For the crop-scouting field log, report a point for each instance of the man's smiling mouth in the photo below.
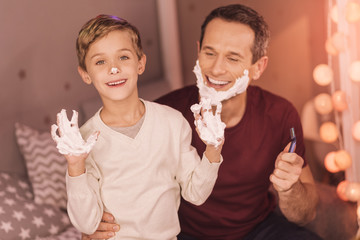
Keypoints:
(217, 82)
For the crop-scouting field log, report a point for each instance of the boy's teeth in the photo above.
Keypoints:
(116, 83)
(213, 81)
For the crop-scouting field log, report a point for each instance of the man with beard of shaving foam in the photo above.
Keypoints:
(233, 45)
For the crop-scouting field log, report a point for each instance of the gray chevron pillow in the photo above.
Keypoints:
(46, 167)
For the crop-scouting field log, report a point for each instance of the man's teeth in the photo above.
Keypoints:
(213, 81)
(116, 83)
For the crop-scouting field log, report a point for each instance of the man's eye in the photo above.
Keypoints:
(100, 62)
(233, 59)
(124, 58)
(209, 54)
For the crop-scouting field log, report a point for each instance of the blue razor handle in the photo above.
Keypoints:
(293, 140)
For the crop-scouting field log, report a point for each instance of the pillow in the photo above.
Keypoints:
(24, 219)
(46, 167)
(15, 185)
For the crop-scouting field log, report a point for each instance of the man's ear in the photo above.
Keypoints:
(198, 47)
(259, 67)
(84, 75)
(142, 64)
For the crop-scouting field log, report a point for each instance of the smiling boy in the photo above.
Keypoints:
(142, 158)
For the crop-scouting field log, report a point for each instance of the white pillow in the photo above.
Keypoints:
(46, 167)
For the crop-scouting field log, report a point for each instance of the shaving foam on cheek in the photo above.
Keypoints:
(70, 141)
(211, 128)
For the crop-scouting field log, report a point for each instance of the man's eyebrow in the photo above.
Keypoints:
(236, 54)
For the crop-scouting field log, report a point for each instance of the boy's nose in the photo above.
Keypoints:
(114, 70)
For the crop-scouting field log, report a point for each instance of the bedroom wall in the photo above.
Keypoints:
(38, 68)
(38, 73)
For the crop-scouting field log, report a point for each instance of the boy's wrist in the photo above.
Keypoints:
(76, 169)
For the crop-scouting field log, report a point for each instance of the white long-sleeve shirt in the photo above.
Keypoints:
(139, 180)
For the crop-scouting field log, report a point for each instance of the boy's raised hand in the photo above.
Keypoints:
(70, 143)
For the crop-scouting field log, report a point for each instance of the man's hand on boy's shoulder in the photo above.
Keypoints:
(106, 229)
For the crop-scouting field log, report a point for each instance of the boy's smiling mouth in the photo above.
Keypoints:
(116, 83)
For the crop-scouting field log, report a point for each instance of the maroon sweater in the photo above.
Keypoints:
(240, 199)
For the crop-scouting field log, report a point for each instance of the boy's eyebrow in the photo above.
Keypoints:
(229, 53)
(119, 50)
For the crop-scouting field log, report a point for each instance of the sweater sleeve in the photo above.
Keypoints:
(196, 177)
(84, 206)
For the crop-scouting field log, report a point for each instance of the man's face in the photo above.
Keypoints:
(225, 53)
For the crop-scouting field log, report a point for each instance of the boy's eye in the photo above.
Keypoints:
(100, 62)
(124, 58)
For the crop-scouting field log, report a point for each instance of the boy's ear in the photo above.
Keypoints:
(84, 75)
(142, 64)
(259, 67)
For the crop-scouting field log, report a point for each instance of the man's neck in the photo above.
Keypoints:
(233, 110)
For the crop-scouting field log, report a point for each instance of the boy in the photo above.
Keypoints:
(142, 158)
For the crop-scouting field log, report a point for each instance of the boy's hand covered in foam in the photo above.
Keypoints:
(209, 125)
(69, 141)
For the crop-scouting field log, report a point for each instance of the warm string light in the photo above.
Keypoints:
(339, 102)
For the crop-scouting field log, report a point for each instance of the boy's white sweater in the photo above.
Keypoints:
(139, 180)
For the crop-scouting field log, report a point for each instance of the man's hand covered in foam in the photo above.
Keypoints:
(209, 125)
(69, 141)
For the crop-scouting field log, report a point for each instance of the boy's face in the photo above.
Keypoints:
(113, 66)
(225, 53)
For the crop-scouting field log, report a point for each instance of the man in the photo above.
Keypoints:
(233, 43)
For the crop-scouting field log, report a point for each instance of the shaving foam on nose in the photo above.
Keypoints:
(114, 70)
(211, 128)
(69, 141)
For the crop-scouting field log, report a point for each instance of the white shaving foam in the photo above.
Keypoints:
(70, 141)
(211, 128)
(114, 70)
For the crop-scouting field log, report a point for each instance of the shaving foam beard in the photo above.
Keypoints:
(217, 97)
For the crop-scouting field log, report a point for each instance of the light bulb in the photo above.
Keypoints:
(352, 191)
(329, 162)
(334, 15)
(352, 12)
(342, 159)
(354, 71)
(339, 101)
(356, 131)
(323, 74)
(338, 40)
(328, 132)
(323, 103)
(341, 188)
(330, 49)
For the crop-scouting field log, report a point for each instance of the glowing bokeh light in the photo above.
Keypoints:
(352, 12)
(329, 162)
(339, 101)
(356, 131)
(328, 132)
(323, 103)
(341, 188)
(338, 40)
(323, 74)
(342, 159)
(330, 49)
(352, 191)
(334, 15)
(354, 71)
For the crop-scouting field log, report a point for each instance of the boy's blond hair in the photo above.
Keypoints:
(99, 27)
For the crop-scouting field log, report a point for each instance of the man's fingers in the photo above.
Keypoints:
(108, 217)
